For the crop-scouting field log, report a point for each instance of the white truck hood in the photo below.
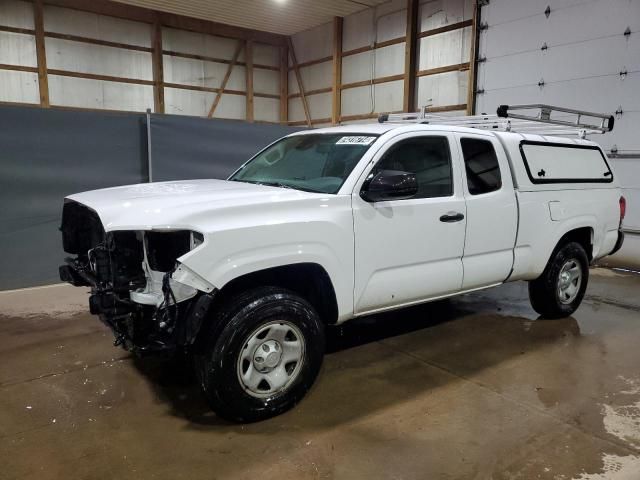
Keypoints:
(177, 205)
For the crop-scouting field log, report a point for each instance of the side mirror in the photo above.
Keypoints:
(389, 185)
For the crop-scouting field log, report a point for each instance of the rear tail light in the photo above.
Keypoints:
(623, 208)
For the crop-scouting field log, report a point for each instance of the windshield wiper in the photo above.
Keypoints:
(278, 184)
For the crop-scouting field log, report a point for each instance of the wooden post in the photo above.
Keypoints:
(158, 68)
(225, 80)
(337, 70)
(473, 59)
(284, 84)
(43, 81)
(248, 53)
(305, 105)
(410, 48)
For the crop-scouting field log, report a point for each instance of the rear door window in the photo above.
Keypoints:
(564, 163)
(481, 165)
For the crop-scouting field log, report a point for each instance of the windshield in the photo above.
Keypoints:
(312, 162)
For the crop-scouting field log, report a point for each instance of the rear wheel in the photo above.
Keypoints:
(264, 356)
(560, 289)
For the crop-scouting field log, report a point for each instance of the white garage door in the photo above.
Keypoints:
(576, 56)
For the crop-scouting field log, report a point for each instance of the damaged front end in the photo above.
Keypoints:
(132, 275)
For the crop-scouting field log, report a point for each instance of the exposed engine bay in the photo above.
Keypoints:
(130, 275)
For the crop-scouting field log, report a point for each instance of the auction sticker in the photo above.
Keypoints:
(356, 140)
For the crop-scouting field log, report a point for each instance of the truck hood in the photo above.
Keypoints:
(179, 205)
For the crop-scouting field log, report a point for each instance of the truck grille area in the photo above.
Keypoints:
(113, 265)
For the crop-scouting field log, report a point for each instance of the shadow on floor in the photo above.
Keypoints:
(469, 334)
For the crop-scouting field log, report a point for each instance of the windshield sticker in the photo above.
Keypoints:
(355, 140)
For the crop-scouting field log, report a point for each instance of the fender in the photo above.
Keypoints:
(531, 260)
(243, 262)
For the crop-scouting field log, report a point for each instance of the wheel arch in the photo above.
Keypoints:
(309, 280)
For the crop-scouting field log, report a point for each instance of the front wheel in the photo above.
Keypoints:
(266, 356)
(558, 292)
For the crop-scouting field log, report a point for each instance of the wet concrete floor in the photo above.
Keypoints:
(470, 388)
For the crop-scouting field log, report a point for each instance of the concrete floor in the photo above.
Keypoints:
(474, 387)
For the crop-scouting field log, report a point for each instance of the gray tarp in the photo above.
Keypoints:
(48, 154)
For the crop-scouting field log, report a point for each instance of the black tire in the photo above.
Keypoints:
(544, 292)
(237, 320)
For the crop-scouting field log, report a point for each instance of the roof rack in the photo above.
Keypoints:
(565, 121)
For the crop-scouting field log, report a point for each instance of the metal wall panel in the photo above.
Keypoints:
(439, 13)
(99, 94)
(101, 27)
(313, 44)
(293, 83)
(442, 89)
(200, 73)
(199, 44)
(380, 62)
(266, 54)
(18, 49)
(187, 102)
(15, 13)
(97, 59)
(449, 48)
(316, 76)
(232, 106)
(296, 111)
(319, 107)
(266, 81)
(386, 22)
(387, 97)
(19, 87)
(266, 109)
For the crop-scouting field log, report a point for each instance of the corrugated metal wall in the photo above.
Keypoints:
(576, 56)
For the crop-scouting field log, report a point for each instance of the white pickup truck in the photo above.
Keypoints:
(330, 224)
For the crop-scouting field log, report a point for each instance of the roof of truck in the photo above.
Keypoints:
(381, 128)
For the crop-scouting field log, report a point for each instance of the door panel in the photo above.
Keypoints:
(404, 252)
(492, 219)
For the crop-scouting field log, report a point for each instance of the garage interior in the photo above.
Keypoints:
(101, 93)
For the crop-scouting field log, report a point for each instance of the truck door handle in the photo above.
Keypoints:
(451, 217)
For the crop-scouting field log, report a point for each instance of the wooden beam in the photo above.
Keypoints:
(158, 68)
(304, 122)
(94, 76)
(366, 48)
(447, 108)
(317, 91)
(140, 14)
(225, 80)
(309, 63)
(408, 103)
(296, 69)
(248, 54)
(94, 41)
(26, 31)
(446, 28)
(284, 84)
(337, 70)
(458, 67)
(43, 81)
(375, 81)
(473, 59)
(197, 88)
(18, 68)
